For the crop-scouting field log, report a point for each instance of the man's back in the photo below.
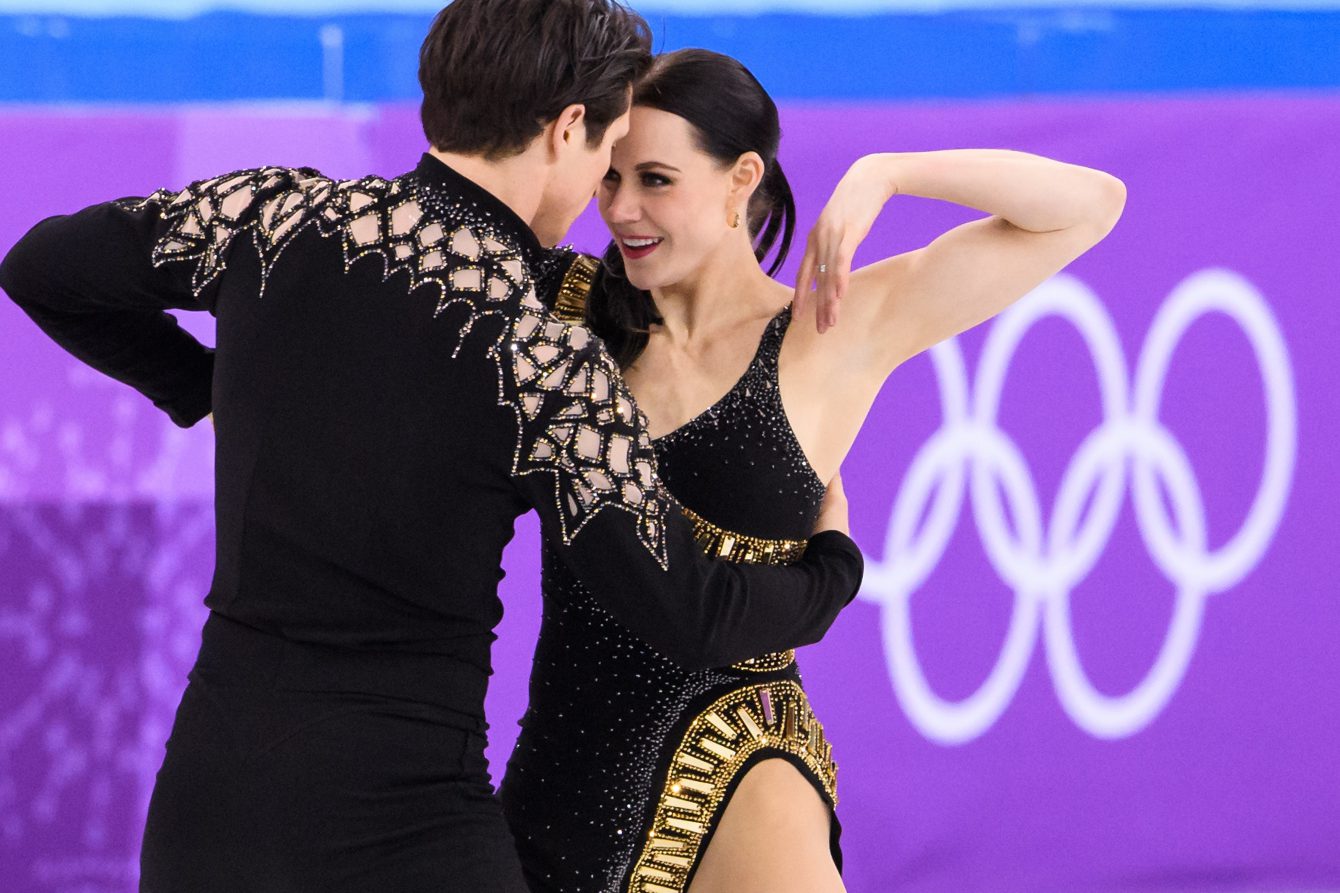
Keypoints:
(364, 456)
(390, 392)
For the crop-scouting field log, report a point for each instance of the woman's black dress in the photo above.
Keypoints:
(625, 760)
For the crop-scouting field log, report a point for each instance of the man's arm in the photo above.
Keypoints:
(100, 281)
(586, 463)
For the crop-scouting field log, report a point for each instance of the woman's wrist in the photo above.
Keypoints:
(877, 173)
(885, 171)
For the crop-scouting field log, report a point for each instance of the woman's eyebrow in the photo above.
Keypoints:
(650, 164)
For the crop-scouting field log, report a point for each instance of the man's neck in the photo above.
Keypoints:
(517, 181)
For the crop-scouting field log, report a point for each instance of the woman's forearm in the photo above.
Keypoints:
(1031, 192)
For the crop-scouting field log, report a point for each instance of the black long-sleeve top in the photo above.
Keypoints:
(390, 393)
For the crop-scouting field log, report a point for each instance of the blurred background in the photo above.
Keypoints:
(1098, 647)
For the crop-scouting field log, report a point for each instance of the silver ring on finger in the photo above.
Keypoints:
(823, 268)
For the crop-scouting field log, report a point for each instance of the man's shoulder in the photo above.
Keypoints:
(403, 224)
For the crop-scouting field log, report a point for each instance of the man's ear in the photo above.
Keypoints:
(567, 130)
(746, 177)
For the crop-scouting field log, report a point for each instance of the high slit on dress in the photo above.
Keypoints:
(626, 761)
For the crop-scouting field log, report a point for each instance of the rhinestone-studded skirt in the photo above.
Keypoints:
(626, 761)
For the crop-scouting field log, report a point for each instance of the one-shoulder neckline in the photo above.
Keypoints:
(753, 362)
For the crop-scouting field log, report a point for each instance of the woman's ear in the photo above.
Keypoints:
(745, 178)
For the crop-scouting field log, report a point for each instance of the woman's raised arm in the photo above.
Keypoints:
(1043, 215)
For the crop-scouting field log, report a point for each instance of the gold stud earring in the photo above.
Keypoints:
(735, 221)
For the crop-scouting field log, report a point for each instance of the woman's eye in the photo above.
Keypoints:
(654, 180)
(610, 177)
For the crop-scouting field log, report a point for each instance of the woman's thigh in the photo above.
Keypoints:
(774, 837)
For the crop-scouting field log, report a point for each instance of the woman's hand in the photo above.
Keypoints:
(846, 220)
(833, 514)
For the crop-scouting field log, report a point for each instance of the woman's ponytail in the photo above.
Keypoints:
(777, 217)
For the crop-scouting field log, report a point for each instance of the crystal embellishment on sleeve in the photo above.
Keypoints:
(203, 219)
(578, 421)
(575, 418)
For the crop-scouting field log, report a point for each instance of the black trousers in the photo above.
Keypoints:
(265, 789)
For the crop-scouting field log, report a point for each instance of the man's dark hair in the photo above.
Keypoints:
(495, 72)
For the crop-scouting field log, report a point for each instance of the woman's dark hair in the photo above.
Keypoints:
(731, 114)
(495, 72)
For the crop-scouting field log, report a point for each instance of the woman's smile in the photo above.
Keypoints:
(638, 247)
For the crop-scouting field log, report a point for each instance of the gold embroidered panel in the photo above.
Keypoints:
(570, 305)
(719, 542)
(718, 744)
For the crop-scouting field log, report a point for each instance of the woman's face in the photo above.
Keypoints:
(666, 201)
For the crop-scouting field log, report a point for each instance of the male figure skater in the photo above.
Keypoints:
(390, 394)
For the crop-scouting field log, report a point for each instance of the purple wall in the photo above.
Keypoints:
(1129, 691)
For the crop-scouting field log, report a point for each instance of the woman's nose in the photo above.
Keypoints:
(621, 207)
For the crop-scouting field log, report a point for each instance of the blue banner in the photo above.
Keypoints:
(966, 54)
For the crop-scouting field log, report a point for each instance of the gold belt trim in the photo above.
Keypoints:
(719, 542)
(719, 741)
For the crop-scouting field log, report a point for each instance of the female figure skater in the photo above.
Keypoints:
(630, 773)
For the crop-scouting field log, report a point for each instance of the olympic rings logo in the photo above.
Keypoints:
(1043, 562)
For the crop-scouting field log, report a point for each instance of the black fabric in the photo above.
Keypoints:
(738, 462)
(270, 788)
(377, 434)
(365, 481)
(607, 711)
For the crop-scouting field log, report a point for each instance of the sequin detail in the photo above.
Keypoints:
(718, 542)
(746, 440)
(607, 713)
(582, 426)
(576, 420)
(204, 218)
(720, 741)
(570, 304)
(767, 663)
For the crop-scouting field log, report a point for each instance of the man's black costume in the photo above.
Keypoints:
(390, 394)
